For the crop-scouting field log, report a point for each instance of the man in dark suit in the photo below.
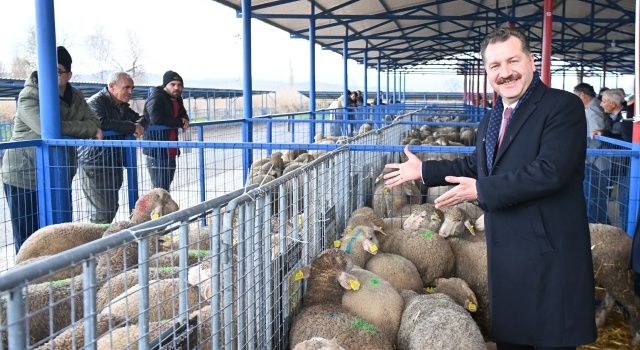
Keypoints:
(526, 173)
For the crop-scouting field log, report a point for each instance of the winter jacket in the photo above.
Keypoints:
(119, 118)
(159, 111)
(76, 120)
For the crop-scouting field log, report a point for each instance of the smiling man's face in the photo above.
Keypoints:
(509, 69)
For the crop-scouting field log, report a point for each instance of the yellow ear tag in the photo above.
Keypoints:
(300, 219)
(298, 275)
(386, 190)
(337, 243)
(354, 284)
(155, 215)
(348, 230)
(373, 248)
(430, 290)
(471, 306)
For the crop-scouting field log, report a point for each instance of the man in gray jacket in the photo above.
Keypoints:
(18, 164)
(596, 168)
(102, 167)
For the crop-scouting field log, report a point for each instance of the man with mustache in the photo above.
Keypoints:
(526, 173)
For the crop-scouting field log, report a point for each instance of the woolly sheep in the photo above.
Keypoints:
(57, 238)
(155, 203)
(172, 258)
(388, 202)
(376, 301)
(435, 321)
(458, 290)
(123, 281)
(426, 216)
(328, 276)
(397, 270)
(332, 321)
(360, 243)
(431, 254)
(126, 338)
(199, 239)
(365, 216)
(611, 249)
(73, 336)
(318, 343)
(50, 306)
(162, 294)
(471, 266)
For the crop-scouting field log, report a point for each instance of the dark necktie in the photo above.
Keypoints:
(505, 121)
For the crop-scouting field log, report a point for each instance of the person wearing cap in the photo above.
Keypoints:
(101, 168)
(164, 107)
(18, 164)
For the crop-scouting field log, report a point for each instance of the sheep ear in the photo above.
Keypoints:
(369, 246)
(470, 227)
(348, 281)
(301, 273)
(156, 212)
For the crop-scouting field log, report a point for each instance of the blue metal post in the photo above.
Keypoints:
(201, 173)
(345, 81)
(54, 193)
(388, 99)
(312, 72)
(634, 190)
(365, 92)
(247, 129)
(131, 166)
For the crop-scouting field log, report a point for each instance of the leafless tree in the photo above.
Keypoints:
(20, 68)
(134, 65)
(100, 48)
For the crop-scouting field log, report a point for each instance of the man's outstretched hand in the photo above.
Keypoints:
(407, 171)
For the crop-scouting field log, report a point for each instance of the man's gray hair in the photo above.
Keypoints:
(115, 77)
(614, 95)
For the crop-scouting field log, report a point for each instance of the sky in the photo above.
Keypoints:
(202, 41)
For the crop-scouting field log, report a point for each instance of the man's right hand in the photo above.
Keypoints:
(407, 171)
(99, 135)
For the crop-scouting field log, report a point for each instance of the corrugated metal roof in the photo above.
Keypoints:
(411, 34)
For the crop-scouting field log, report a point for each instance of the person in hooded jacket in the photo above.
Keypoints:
(18, 164)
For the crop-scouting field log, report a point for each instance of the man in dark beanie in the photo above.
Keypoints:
(18, 167)
(164, 107)
(64, 58)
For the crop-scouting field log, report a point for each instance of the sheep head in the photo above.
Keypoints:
(328, 277)
(152, 205)
(459, 291)
(455, 222)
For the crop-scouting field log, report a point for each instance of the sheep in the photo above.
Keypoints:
(376, 301)
(431, 254)
(305, 158)
(153, 204)
(172, 258)
(611, 249)
(322, 314)
(365, 216)
(458, 290)
(57, 238)
(50, 307)
(126, 338)
(426, 216)
(162, 294)
(435, 321)
(388, 202)
(121, 282)
(360, 243)
(73, 336)
(397, 270)
(199, 239)
(471, 265)
(318, 343)
(365, 128)
(333, 321)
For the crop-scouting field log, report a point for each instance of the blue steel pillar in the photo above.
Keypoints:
(365, 92)
(345, 82)
(54, 186)
(247, 130)
(312, 72)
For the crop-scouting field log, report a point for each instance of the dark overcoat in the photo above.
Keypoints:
(541, 284)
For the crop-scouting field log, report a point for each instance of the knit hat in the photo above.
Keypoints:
(64, 58)
(170, 76)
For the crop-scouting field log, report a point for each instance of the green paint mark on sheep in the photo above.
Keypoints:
(199, 253)
(351, 241)
(375, 281)
(61, 283)
(426, 234)
(104, 226)
(364, 325)
(166, 269)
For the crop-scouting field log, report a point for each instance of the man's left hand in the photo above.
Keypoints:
(465, 191)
